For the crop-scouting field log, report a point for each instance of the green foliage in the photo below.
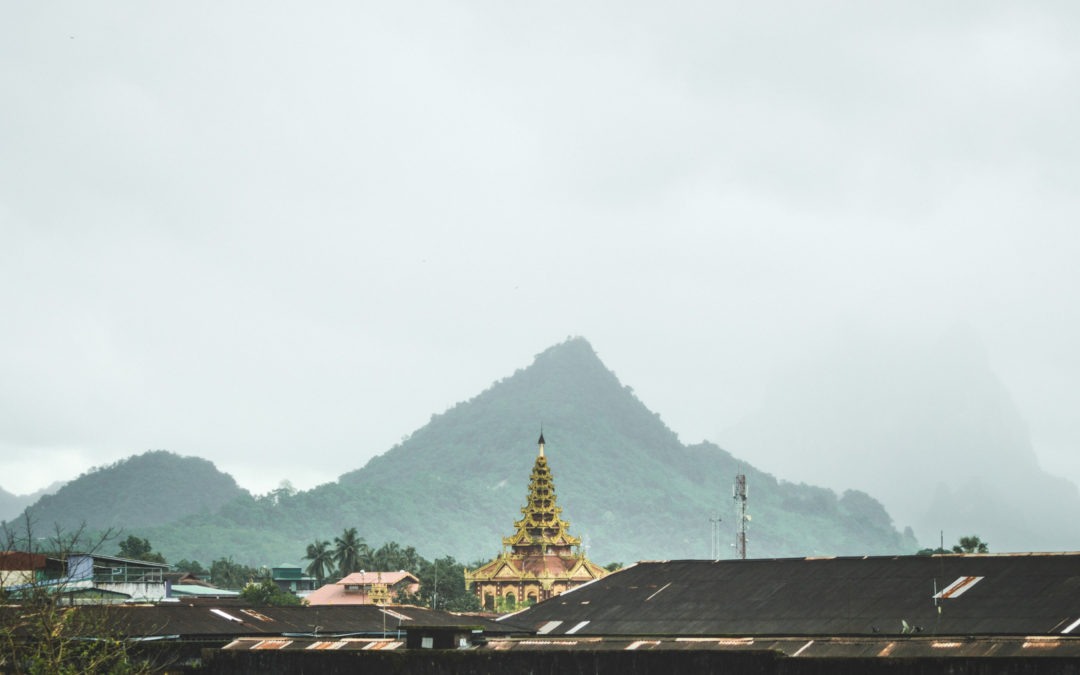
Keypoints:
(266, 592)
(137, 548)
(391, 556)
(191, 567)
(349, 551)
(226, 573)
(971, 544)
(322, 560)
(442, 585)
(613, 567)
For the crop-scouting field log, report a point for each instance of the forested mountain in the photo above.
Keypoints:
(154, 488)
(625, 482)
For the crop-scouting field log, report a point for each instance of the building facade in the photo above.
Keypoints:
(366, 588)
(541, 559)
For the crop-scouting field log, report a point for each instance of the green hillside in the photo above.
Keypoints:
(625, 481)
(154, 488)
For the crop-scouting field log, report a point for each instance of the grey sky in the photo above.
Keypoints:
(280, 236)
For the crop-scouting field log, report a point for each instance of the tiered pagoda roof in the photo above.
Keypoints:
(541, 528)
(541, 550)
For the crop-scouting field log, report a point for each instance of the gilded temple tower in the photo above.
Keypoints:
(541, 559)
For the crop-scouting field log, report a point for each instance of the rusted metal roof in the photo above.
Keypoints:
(347, 644)
(944, 595)
(230, 621)
(906, 647)
(20, 561)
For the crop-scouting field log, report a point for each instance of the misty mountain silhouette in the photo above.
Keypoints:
(626, 483)
(928, 429)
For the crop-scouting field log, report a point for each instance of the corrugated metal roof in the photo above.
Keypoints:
(906, 647)
(200, 590)
(348, 644)
(803, 648)
(990, 595)
(227, 621)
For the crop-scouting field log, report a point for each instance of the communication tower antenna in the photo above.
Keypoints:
(740, 494)
(715, 521)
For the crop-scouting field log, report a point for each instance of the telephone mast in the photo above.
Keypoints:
(740, 494)
(715, 522)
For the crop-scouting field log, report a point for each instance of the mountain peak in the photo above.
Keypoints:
(632, 488)
(155, 487)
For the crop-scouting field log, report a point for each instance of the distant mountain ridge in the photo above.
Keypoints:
(928, 428)
(626, 483)
(11, 505)
(153, 488)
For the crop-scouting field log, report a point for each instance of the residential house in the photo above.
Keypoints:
(366, 588)
(80, 578)
(293, 580)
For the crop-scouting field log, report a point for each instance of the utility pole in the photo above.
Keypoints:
(435, 593)
(715, 522)
(740, 496)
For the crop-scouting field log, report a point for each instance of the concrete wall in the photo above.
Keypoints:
(520, 662)
(137, 591)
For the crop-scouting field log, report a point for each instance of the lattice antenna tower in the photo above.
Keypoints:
(740, 495)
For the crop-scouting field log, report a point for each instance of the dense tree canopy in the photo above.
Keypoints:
(971, 544)
(266, 592)
(137, 548)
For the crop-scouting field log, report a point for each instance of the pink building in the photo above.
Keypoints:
(366, 588)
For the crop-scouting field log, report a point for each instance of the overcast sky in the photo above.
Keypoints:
(281, 235)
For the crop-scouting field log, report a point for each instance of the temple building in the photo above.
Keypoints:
(541, 559)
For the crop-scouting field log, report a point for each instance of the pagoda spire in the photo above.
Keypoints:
(541, 527)
(541, 559)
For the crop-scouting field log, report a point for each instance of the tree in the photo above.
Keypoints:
(442, 586)
(191, 567)
(226, 573)
(322, 560)
(349, 549)
(136, 548)
(266, 592)
(971, 544)
(613, 567)
(391, 557)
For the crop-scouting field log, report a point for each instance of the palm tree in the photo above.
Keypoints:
(349, 548)
(390, 556)
(322, 560)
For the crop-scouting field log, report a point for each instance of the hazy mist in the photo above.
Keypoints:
(281, 235)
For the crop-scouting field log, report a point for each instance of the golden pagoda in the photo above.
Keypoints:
(541, 559)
